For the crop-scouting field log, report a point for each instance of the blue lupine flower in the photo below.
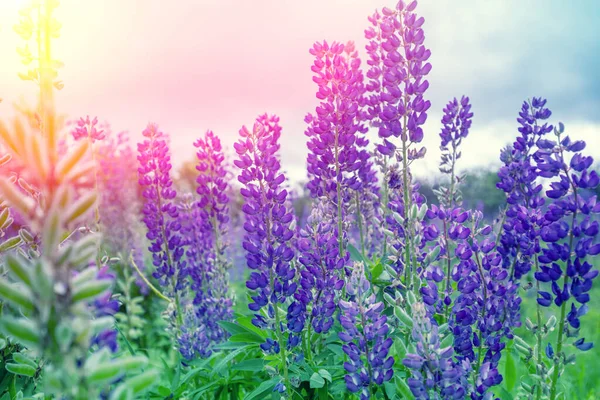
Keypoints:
(435, 375)
(268, 222)
(160, 212)
(365, 332)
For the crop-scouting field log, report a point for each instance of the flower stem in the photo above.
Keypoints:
(147, 282)
(282, 350)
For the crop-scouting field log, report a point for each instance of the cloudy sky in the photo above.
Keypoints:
(192, 65)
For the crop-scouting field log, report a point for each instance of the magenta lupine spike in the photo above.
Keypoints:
(87, 128)
(334, 157)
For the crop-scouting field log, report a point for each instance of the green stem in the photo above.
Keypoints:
(147, 282)
(386, 209)
(538, 335)
(483, 310)
(563, 308)
(282, 350)
(360, 226)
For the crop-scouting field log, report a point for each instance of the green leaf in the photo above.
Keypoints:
(510, 371)
(403, 388)
(246, 337)
(232, 327)
(376, 271)
(262, 390)
(80, 207)
(20, 369)
(326, 375)
(10, 243)
(90, 290)
(21, 329)
(19, 297)
(143, 381)
(104, 372)
(221, 364)
(23, 359)
(18, 267)
(316, 381)
(355, 255)
(252, 365)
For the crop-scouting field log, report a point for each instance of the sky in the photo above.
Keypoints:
(193, 65)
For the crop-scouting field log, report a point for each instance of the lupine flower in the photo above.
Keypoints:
(160, 212)
(571, 235)
(434, 373)
(322, 275)
(485, 311)
(395, 105)
(105, 306)
(365, 332)
(203, 226)
(209, 303)
(86, 128)
(519, 242)
(398, 61)
(334, 157)
(448, 216)
(268, 225)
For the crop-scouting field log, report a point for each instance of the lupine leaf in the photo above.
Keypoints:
(20, 369)
(16, 296)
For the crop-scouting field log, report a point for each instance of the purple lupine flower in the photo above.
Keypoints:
(434, 373)
(323, 269)
(106, 305)
(456, 124)
(365, 332)
(334, 157)
(160, 212)
(398, 61)
(448, 216)
(519, 241)
(86, 128)
(209, 303)
(268, 225)
(395, 105)
(487, 307)
(203, 226)
(570, 233)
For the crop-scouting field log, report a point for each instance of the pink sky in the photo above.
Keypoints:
(192, 65)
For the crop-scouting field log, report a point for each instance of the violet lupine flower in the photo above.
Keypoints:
(160, 212)
(449, 216)
(268, 226)
(322, 275)
(398, 61)
(519, 242)
(571, 229)
(104, 306)
(203, 228)
(86, 128)
(364, 332)
(456, 124)
(209, 303)
(434, 373)
(485, 311)
(452, 234)
(334, 157)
